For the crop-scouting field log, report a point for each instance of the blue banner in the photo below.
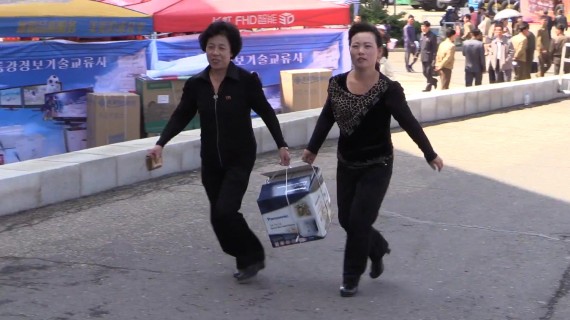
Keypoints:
(64, 65)
(43, 88)
(267, 53)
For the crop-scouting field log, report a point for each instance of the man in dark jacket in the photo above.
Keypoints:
(561, 19)
(474, 58)
(428, 50)
(409, 43)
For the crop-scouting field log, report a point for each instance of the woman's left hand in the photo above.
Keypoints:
(436, 164)
(284, 156)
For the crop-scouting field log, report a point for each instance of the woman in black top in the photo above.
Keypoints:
(362, 102)
(224, 95)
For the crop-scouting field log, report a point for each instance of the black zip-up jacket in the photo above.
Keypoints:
(225, 119)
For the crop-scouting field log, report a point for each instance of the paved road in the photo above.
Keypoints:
(487, 238)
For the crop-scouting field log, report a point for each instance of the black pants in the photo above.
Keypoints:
(427, 70)
(359, 195)
(225, 188)
(470, 76)
(410, 52)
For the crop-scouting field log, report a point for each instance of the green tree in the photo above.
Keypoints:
(375, 12)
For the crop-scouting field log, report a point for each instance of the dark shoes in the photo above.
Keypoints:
(245, 274)
(429, 86)
(377, 266)
(409, 68)
(349, 287)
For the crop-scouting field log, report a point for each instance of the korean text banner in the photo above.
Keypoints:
(104, 66)
(267, 53)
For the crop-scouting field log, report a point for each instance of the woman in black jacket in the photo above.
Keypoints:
(362, 102)
(224, 95)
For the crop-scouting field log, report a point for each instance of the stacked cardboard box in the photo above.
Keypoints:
(304, 89)
(112, 118)
(159, 98)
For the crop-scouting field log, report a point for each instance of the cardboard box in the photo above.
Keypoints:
(112, 118)
(304, 88)
(159, 99)
(295, 205)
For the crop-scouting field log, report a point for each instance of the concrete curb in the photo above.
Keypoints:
(36, 183)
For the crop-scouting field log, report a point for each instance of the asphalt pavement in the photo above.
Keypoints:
(486, 238)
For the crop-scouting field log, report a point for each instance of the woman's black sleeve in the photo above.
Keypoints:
(185, 111)
(324, 124)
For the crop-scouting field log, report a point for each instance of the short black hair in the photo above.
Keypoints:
(410, 17)
(223, 28)
(468, 16)
(476, 32)
(560, 27)
(449, 33)
(523, 26)
(364, 27)
(426, 23)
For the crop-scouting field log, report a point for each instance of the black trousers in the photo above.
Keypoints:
(470, 76)
(360, 193)
(225, 188)
(427, 70)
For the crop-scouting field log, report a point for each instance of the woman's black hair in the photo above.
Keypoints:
(223, 28)
(364, 27)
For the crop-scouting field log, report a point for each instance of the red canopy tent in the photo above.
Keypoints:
(196, 15)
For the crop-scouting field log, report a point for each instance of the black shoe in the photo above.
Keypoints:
(435, 83)
(249, 272)
(349, 288)
(377, 267)
(427, 89)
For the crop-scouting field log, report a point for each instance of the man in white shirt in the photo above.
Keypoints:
(500, 57)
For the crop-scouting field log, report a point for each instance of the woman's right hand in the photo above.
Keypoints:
(155, 152)
(308, 156)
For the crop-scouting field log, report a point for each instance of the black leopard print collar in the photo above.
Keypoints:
(349, 109)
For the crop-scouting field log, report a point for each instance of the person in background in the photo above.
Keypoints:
(500, 57)
(385, 66)
(561, 19)
(467, 27)
(445, 58)
(485, 26)
(519, 44)
(224, 95)
(410, 43)
(474, 16)
(530, 48)
(480, 15)
(362, 103)
(516, 25)
(506, 29)
(428, 50)
(543, 48)
(449, 17)
(557, 45)
(474, 59)
(549, 23)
